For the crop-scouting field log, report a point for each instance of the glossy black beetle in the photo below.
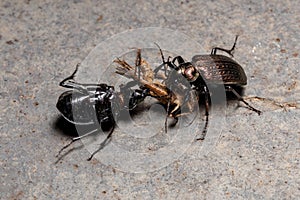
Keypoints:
(93, 104)
(215, 69)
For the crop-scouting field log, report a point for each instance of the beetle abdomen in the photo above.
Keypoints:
(75, 108)
(219, 69)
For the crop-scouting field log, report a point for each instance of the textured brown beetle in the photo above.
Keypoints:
(208, 69)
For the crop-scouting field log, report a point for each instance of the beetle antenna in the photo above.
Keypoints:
(164, 62)
(161, 53)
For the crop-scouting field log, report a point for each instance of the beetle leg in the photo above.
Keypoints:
(230, 89)
(102, 144)
(75, 139)
(207, 96)
(229, 51)
(82, 87)
(67, 82)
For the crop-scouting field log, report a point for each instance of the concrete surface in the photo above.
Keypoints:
(255, 157)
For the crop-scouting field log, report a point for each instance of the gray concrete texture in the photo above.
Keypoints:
(255, 157)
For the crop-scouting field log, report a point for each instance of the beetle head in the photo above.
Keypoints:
(189, 71)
